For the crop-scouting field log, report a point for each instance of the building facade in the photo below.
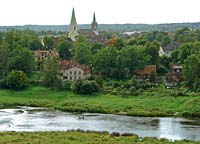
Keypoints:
(41, 55)
(176, 72)
(72, 70)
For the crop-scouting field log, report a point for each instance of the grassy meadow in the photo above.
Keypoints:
(79, 137)
(157, 102)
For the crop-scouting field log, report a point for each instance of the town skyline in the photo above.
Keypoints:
(36, 12)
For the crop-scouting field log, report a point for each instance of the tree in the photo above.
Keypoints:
(165, 41)
(4, 55)
(64, 49)
(21, 59)
(191, 71)
(96, 47)
(133, 58)
(105, 61)
(85, 87)
(152, 50)
(17, 80)
(51, 77)
(152, 78)
(83, 54)
(48, 42)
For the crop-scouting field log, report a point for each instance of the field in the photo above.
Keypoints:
(158, 102)
(79, 137)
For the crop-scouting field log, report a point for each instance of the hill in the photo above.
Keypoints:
(108, 27)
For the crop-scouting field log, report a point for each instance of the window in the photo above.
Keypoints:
(74, 72)
(79, 72)
(70, 78)
(70, 72)
(74, 27)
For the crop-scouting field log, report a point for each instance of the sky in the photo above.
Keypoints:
(58, 12)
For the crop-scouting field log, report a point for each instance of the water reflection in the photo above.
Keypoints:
(26, 119)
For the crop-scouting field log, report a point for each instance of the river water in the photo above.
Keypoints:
(29, 119)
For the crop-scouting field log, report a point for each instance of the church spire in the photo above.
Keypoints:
(73, 28)
(73, 18)
(94, 25)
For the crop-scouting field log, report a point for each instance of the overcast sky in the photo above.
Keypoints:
(58, 12)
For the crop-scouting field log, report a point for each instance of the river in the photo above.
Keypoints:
(30, 120)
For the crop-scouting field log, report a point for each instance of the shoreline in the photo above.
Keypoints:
(80, 136)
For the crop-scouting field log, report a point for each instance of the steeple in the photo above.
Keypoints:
(94, 25)
(73, 18)
(73, 32)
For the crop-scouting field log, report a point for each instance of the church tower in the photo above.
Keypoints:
(95, 25)
(73, 28)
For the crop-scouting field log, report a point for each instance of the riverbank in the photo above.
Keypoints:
(77, 137)
(155, 103)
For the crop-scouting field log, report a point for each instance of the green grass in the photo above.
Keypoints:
(152, 103)
(79, 137)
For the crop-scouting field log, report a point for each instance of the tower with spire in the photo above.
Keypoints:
(73, 28)
(94, 25)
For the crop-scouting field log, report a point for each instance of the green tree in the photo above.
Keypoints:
(105, 61)
(165, 41)
(21, 59)
(48, 42)
(152, 78)
(83, 54)
(86, 87)
(17, 80)
(64, 49)
(152, 50)
(51, 75)
(191, 71)
(4, 55)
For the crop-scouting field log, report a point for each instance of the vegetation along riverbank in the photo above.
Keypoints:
(77, 137)
(157, 102)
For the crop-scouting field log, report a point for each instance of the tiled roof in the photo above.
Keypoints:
(147, 70)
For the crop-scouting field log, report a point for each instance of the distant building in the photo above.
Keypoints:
(176, 73)
(72, 70)
(168, 49)
(145, 73)
(41, 55)
(92, 35)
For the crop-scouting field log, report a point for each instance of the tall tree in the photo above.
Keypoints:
(191, 71)
(83, 54)
(152, 50)
(65, 48)
(21, 59)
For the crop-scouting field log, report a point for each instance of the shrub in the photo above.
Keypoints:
(99, 81)
(16, 80)
(85, 87)
(116, 84)
(67, 86)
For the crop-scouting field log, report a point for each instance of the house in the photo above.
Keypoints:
(92, 35)
(168, 49)
(145, 73)
(72, 70)
(41, 55)
(176, 72)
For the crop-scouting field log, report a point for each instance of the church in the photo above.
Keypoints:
(92, 35)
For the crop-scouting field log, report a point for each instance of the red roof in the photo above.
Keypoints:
(147, 70)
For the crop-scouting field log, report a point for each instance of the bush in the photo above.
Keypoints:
(85, 87)
(17, 80)
(116, 84)
(3, 84)
(67, 86)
